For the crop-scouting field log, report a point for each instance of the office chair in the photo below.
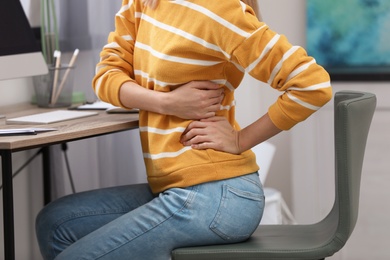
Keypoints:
(353, 112)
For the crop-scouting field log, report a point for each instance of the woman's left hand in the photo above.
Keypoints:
(212, 133)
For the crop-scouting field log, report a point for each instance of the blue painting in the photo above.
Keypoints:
(350, 35)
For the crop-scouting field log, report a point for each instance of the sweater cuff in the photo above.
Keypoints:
(279, 118)
(114, 98)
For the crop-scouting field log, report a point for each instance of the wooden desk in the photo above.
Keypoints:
(70, 130)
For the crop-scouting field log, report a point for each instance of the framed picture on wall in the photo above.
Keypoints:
(350, 38)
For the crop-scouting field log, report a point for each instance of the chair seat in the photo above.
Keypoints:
(271, 242)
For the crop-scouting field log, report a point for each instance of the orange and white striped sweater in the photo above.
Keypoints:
(217, 40)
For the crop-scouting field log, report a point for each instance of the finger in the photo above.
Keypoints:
(190, 126)
(190, 134)
(190, 140)
(199, 139)
(212, 119)
(216, 100)
(210, 97)
(209, 114)
(214, 108)
(206, 85)
(204, 146)
(196, 124)
(216, 93)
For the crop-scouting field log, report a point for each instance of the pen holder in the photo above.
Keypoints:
(55, 88)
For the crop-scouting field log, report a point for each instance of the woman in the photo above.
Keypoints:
(179, 62)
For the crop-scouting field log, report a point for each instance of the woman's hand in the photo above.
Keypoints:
(194, 100)
(212, 133)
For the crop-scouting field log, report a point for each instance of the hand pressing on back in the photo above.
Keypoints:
(212, 133)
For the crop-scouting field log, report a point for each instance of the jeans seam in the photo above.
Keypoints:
(80, 215)
(251, 181)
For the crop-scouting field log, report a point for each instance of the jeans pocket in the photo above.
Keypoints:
(239, 214)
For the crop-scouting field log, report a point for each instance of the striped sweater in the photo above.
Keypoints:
(217, 40)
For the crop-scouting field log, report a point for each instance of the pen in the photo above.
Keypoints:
(8, 132)
(57, 58)
(71, 63)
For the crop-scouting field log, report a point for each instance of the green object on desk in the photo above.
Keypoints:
(78, 97)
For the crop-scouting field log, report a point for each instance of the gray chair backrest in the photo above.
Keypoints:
(353, 116)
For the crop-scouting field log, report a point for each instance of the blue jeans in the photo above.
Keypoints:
(129, 222)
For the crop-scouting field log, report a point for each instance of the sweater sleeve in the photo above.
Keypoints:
(116, 58)
(270, 58)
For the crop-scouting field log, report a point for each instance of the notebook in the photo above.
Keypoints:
(50, 117)
(101, 105)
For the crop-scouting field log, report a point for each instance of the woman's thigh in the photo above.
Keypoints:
(212, 213)
(66, 220)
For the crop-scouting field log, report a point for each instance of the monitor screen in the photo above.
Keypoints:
(20, 55)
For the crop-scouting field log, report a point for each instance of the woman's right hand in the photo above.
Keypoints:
(195, 100)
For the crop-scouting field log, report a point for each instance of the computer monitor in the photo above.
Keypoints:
(20, 55)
